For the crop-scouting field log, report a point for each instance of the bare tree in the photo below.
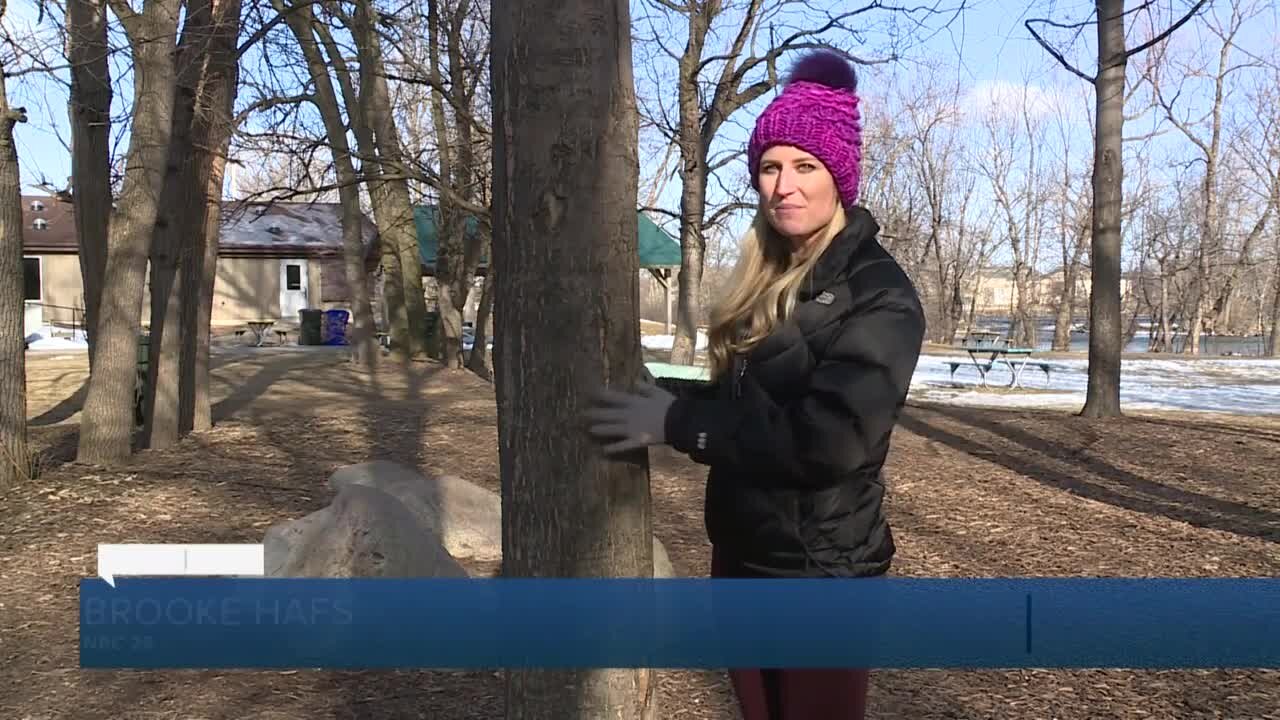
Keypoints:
(565, 251)
(1074, 223)
(15, 456)
(1102, 398)
(1210, 146)
(107, 422)
(189, 219)
(302, 22)
(89, 112)
(934, 152)
(393, 205)
(1013, 165)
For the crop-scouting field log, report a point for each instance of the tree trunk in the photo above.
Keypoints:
(195, 406)
(302, 23)
(567, 320)
(478, 360)
(693, 194)
(450, 225)
(90, 119)
(693, 248)
(1274, 345)
(392, 206)
(107, 418)
(181, 205)
(210, 134)
(1166, 333)
(1102, 399)
(15, 455)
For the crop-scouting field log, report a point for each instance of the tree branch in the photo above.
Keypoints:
(1053, 51)
(1168, 31)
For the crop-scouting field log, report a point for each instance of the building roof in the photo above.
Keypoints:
(283, 229)
(260, 229)
(657, 248)
(48, 225)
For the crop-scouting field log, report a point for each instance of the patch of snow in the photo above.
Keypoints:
(1242, 387)
(51, 338)
(665, 342)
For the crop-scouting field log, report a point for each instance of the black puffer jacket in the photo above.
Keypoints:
(796, 437)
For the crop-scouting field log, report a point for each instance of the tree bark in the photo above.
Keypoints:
(211, 139)
(181, 205)
(392, 206)
(1102, 398)
(693, 196)
(478, 360)
(89, 111)
(567, 320)
(15, 455)
(450, 271)
(107, 418)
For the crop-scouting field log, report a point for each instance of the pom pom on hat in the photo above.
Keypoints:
(825, 67)
(817, 111)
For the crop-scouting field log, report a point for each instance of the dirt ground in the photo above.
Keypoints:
(972, 493)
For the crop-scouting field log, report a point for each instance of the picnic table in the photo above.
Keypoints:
(259, 329)
(985, 349)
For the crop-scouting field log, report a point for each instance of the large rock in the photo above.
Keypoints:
(363, 533)
(465, 517)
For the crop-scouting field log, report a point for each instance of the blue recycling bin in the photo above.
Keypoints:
(334, 330)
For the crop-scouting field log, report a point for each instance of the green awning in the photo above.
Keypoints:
(657, 248)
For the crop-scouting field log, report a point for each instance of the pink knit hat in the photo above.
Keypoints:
(817, 112)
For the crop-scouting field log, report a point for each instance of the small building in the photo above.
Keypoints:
(659, 252)
(273, 260)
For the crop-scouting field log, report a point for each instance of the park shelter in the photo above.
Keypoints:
(659, 252)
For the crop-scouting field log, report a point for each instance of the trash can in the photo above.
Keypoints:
(309, 327)
(433, 334)
(335, 327)
(140, 380)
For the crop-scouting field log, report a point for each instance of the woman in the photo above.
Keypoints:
(812, 353)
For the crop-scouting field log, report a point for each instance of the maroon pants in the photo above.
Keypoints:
(809, 694)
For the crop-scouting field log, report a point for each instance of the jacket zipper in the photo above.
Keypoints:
(737, 381)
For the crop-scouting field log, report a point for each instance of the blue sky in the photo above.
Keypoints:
(986, 47)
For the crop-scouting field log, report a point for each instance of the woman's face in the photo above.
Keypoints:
(797, 192)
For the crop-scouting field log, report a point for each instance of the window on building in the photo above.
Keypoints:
(293, 277)
(40, 224)
(31, 278)
(37, 206)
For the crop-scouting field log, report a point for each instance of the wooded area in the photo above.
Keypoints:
(1129, 187)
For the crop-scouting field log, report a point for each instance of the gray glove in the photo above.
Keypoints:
(631, 420)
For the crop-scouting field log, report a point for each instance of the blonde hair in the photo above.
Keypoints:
(762, 288)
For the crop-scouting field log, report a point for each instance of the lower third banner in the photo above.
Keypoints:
(156, 623)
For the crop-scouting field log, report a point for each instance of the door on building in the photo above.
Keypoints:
(293, 288)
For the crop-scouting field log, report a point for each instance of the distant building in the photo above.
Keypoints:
(273, 260)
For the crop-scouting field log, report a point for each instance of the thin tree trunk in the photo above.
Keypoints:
(393, 207)
(181, 205)
(478, 359)
(693, 248)
(107, 419)
(1274, 344)
(210, 140)
(15, 455)
(564, 201)
(450, 222)
(1102, 398)
(304, 27)
(89, 112)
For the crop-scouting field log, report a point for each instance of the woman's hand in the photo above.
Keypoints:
(631, 420)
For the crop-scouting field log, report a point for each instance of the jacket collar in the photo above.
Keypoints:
(836, 262)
